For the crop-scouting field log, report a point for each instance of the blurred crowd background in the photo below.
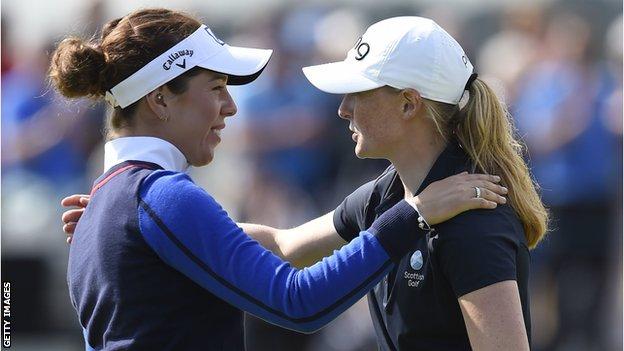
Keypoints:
(287, 157)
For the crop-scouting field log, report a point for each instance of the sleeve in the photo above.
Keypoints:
(478, 251)
(190, 231)
(352, 211)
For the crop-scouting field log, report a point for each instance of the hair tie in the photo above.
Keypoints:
(470, 80)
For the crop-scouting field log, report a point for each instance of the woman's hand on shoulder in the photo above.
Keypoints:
(446, 198)
(70, 217)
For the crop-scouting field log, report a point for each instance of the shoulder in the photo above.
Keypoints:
(373, 191)
(479, 248)
(476, 225)
(163, 180)
(173, 190)
(353, 214)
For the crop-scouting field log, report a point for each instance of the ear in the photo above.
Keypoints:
(156, 101)
(411, 103)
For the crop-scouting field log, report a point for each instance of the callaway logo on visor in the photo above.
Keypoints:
(176, 55)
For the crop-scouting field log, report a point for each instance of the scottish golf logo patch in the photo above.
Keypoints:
(416, 261)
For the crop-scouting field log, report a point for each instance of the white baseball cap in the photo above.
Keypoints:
(402, 52)
(202, 48)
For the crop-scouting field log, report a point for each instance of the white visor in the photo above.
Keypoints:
(203, 49)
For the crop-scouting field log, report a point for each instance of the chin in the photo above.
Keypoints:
(208, 159)
(362, 148)
(360, 152)
(204, 160)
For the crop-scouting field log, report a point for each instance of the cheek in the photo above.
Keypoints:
(212, 112)
(371, 126)
(192, 127)
(200, 118)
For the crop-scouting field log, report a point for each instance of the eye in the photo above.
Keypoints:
(219, 87)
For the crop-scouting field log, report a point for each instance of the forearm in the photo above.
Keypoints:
(301, 246)
(303, 250)
(266, 236)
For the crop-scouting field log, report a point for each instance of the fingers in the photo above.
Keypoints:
(75, 200)
(478, 177)
(492, 196)
(69, 228)
(483, 184)
(72, 215)
(477, 203)
(488, 185)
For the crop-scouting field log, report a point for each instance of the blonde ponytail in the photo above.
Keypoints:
(485, 131)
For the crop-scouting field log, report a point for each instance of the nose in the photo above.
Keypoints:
(229, 107)
(345, 110)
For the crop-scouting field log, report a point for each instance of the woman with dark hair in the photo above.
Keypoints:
(154, 257)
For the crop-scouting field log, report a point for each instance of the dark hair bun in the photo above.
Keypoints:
(76, 68)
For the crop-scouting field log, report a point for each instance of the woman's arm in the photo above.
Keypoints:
(190, 232)
(308, 243)
(493, 317)
(301, 246)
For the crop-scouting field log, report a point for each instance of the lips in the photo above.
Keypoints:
(217, 129)
(355, 134)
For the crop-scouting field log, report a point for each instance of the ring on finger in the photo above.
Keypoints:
(477, 192)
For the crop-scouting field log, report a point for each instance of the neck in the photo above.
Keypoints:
(135, 130)
(143, 123)
(414, 162)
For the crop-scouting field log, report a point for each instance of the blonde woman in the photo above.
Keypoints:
(464, 285)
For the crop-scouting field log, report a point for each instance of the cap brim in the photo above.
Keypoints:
(339, 78)
(241, 65)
